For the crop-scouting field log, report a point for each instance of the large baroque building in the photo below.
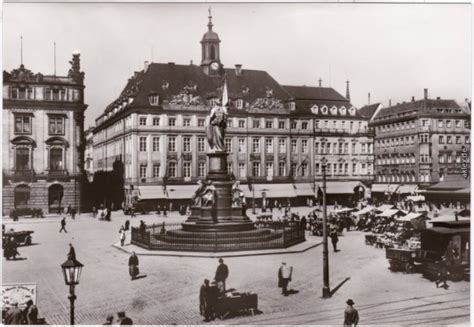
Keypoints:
(43, 143)
(419, 143)
(276, 135)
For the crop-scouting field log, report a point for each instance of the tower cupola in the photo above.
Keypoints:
(210, 61)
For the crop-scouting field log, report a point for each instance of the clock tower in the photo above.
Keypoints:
(210, 61)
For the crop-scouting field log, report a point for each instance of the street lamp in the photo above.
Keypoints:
(72, 272)
(326, 290)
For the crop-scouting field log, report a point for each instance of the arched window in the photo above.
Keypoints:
(22, 196)
(23, 150)
(213, 52)
(56, 153)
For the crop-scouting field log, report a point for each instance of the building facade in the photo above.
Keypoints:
(156, 127)
(419, 143)
(43, 141)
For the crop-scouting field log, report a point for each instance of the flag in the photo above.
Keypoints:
(225, 95)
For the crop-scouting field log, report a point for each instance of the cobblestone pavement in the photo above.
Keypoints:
(168, 294)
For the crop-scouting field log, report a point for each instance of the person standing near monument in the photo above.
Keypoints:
(133, 266)
(284, 277)
(222, 273)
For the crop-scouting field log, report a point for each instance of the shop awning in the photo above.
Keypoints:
(384, 188)
(150, 192)
(389, 213)
(409, 217)
(407, 189)
(343, 210)
(384, 207)
(416, 198)
(342, 187)
(304, 189)
(364, 211)
(273, 191)
(181, 191)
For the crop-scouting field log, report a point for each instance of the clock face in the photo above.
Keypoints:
(215, 65)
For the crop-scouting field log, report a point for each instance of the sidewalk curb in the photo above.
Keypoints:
(236, 254)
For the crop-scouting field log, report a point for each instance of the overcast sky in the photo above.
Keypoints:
(392, 51)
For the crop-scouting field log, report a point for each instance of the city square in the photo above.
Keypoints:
(180, 168)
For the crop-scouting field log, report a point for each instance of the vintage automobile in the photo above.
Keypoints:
(21, 238)
(401, 259)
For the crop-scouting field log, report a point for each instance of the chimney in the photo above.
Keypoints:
(389, 102)
(438, 98)
(348, 94)
(147, 64)
(191, 62)
(426, 94)
(238, 70)
(412, 99)
(368, 98)
(320, 82)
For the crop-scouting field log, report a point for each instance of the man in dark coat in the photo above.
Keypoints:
(123, 319)
(30, 313)
(203, 294)
(351, 316)
(211, 301)
(334, 239)
(14, 315)
(72, 253)
(222, 272)
(133, 265)
(73, 213)
(63, 225)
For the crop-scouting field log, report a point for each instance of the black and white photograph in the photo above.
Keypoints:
(236, 163)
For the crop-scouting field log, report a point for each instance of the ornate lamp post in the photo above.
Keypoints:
(72, 272)
(326, 290)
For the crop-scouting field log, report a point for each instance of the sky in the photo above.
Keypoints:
(393, 51)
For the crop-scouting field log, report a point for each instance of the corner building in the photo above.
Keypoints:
(156, 127)
(43, 141)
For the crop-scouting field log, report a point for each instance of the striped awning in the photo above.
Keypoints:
(181, 191)
(304, 189)
(271, 191)
(150, 192)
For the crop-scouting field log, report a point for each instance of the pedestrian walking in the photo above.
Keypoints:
(71, 255)
(351, 316)
(133, 266)
(73, 213)
(334, 239)
(122, 235)
(122, 319)
(63, 225)
(14, 315)
(284, 277)
(94, 213)
(109, 320)
(222, 272)
(127, 224)
(203, 294)
(30, 313)
(68, 212)
(164, 211)
(158, 210)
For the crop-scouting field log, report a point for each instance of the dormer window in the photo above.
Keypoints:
(342, 110)
(239, 103)
(315, 109)
(324, 110)
(154, 99)
(352, 111)
(292, 105)
(333, 110)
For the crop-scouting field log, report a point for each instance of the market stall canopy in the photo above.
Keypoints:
(416, 219)
(343, 210)
(384, 188)
(151, 192)
(407, 189)
(390, 213)
(384, 207)
(271, 191)
(453, 184)
(181, 191)
(305, 189)
(342, 187)
(416, 198)
(364, 211)
(409, 217)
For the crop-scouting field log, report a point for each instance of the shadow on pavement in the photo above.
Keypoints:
(334, 290)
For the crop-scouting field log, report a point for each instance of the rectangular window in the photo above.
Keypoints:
(281, 124)
(457, 123)
(328, 148)
(187, 122)
(256, 123)
(187, 144)
(458, 158)
(143, 144)
(156, 144)
(304, 125)
(293, 124)
(239, 103)
(256, 168)
(354, 169)
(241, 123)
(187, 169)
(22, 158)
(200, 122)
(282, 145)
(172, 169)
(293, 169)
(242, 169)
(317, 168)
(450, 158)
(341, 149)
(229, 168)
(346, 148)
(448, 123)
(56, 125)
(268, 124)
(201, 169)
(441, 139)
(171, 121)
(269, 168)
(449, 139)
(256, 145)
(242, 145)
(142, 121)
(229, 123)
(143, 169)
(440, 123)
(346, 169)
(228, 144)
(172, 144)
(281, 168)
(467, 139)
(334, 169)
(353, 150)
(328, 169)
(304, 146)
(304, 169)
(48, 94)
(156, 170)
(201, 142)
(341, 168)
(22, 124)
(458, 139)
(316, 147)
(294, 146)
(268, 145)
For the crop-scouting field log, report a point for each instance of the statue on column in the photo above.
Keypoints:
(215, 129)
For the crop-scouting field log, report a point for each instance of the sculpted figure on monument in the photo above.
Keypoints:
(209, 196)
(197, 197)
(215, 129)
(237, 194)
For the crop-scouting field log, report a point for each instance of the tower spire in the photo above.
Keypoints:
(21, 50)
(54, 58)
(209, 25)
(348, 94)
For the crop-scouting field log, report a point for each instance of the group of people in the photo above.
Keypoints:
(209, 293)
(122, 319)
(16, 316)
